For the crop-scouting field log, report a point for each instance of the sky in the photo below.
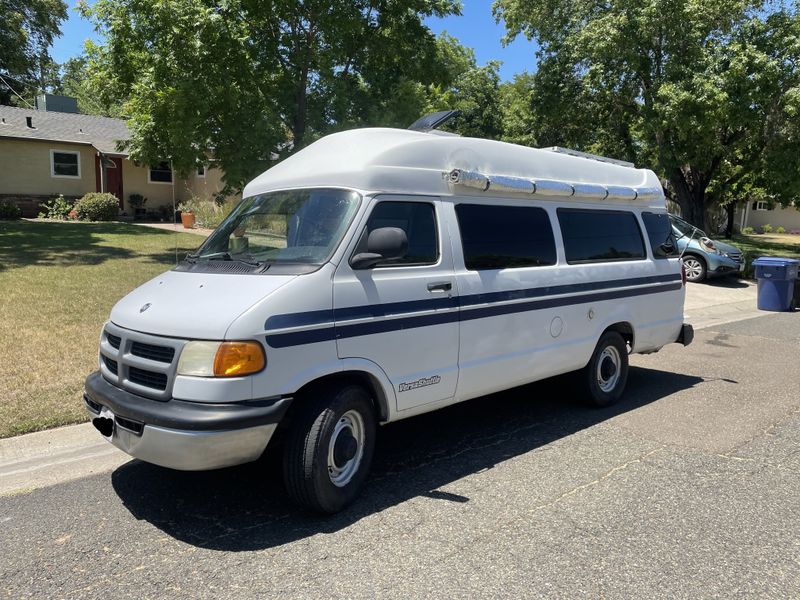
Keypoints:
(475, 28)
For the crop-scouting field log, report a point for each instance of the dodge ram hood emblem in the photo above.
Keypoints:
(145, 307)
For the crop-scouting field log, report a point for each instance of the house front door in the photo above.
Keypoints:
(112, 175)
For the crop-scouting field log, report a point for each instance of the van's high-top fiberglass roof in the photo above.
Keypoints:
(412, 162)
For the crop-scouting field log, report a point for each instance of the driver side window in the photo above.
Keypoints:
(417, 219)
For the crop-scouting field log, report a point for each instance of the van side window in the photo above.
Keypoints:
(659, 231)
(504, 237)
(417, 219)
(600, 235)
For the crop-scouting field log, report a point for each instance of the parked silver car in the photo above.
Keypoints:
(702, 256)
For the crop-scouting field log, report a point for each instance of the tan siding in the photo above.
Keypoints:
(205, 187)
(788, 218)
(134, 181)
(25, 169)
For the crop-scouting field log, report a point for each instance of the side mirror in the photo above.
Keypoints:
(384, 243)
(667, 248)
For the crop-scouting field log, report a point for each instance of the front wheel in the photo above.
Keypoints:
(329, 448)
(606, 374)
(695, 266)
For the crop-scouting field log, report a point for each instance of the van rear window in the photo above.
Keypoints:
(600, 235)
(659, 231)
(504, 237)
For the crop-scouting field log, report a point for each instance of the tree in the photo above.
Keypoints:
(74, 80)
(471, 89)
(704, 92)
(252, 81)
(27, 30)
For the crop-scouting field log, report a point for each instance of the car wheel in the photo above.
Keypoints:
(606, 374)
(329, 448)
(695, 268)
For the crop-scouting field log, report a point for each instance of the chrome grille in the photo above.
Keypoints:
(141, 363)
(157, 353)
(157, 381)
(111, 365)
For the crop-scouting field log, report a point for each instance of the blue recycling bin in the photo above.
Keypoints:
(776, 282)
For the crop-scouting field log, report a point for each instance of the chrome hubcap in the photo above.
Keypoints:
(693, 268)
(346, 448)
(608, 369)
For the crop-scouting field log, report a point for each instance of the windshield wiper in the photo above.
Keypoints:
(223, 256)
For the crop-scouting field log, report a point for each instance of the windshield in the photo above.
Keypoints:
(683, 228)
(297, 226)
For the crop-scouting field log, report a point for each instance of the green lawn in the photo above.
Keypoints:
(753, 246)
(58, 282)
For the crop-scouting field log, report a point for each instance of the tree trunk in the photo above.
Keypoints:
(691, 199)
(299, 125)
(730, 210)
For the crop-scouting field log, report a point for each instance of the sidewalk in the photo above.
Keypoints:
(36, 460)
(177, 227)
(720, 301)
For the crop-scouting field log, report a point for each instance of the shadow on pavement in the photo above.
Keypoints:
(246, 508)
(725, 281)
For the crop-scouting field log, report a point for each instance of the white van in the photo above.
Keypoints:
(376, 275)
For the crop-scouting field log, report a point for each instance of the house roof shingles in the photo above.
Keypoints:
(101, 132)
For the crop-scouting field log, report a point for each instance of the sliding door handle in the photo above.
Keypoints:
(440, 286)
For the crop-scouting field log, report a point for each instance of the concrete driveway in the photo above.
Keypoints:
(688, 488)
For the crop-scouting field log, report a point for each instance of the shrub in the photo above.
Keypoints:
(9, 210)
(207, 213)
(747, 230)
(137, 201)
(96, 206)
(766, 228)
(57, 208)
(780, 229)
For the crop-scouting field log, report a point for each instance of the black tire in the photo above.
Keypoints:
(606, 375)
(696, 268)
(306, 473)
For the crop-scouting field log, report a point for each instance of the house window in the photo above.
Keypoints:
(761, 205)
(201, 171)
(65, 164)
(161, 173)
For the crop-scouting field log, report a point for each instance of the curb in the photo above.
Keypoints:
(36, 460)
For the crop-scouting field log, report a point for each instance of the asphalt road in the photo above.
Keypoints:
(690, 487)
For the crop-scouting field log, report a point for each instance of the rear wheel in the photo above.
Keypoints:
(695, 268)
(329, 448)
(606, 374)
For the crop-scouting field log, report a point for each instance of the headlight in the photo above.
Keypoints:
(221, 359)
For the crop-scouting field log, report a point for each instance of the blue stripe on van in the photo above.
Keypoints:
(343, 330)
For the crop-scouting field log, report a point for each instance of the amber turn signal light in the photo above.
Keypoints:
(234, 359)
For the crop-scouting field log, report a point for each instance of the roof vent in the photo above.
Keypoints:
(29, 122)
(433, 120)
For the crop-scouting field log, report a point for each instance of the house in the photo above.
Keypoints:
(757, 214)
(44, 153)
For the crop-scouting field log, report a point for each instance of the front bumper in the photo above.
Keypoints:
(723, 265)
(189, 436)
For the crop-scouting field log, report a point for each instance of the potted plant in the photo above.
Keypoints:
(137, 202)
(187, 214)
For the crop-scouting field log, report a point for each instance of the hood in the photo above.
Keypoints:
(193, 305)
(726, 248)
